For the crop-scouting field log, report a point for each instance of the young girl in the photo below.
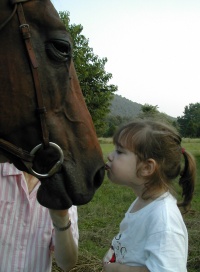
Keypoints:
(153, 236)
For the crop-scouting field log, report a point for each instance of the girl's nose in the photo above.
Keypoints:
(110, 156)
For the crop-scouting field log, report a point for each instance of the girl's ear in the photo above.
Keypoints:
(148, 167)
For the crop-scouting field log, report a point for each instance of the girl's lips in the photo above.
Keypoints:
(107, 167)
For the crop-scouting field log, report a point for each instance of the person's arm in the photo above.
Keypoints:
(66, 250)
(116, 267)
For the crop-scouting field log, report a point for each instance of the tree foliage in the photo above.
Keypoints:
(189, 123)
(113, 123)
(119, 115)
(93, 78)
(151, 112)
(148, 111)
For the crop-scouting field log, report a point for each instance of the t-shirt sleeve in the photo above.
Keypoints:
(166, 252)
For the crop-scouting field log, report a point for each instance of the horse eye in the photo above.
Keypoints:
(58, 50)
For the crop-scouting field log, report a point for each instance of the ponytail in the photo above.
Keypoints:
(187, 180)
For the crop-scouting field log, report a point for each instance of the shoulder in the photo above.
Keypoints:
(8, 169)
(165, 215)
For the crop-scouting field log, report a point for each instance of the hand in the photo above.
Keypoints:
(66, 250)
(60, 213)
(59, 217)
(110, 267)
(117, 267)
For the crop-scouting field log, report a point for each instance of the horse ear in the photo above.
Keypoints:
(18, 1)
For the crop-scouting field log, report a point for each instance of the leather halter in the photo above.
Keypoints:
(26, 157)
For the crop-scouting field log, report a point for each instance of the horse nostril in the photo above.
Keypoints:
(99, 176)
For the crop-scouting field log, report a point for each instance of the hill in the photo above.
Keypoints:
(123, 110)
(124, 107)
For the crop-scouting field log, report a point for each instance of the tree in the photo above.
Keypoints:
(113, 123)
(151, 112)
(91, 74)
(148, 110)
(189, 123)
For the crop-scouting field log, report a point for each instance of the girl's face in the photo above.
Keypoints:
(122, 167)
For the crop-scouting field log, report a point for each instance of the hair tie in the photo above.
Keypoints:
(182, 150)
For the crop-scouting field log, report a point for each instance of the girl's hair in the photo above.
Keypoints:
(161, 142)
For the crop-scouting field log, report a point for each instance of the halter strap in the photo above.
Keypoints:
(18, 1)
(9, 18)
(17, 151)
(34, 67)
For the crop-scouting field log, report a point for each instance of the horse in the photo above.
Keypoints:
(45, 127)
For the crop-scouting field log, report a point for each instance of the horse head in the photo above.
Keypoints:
(45, 126)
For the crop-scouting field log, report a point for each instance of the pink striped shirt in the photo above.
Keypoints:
(26, 231)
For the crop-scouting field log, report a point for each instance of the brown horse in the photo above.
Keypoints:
(45, 127)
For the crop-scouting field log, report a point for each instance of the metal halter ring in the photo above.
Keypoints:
(56, 166)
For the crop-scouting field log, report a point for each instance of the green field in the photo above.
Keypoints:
(99, 220)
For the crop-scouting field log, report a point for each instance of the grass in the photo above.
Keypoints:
(99, 220)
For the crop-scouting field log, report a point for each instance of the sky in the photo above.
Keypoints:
(152, 47)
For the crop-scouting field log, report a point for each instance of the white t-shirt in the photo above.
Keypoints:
(155, 237)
